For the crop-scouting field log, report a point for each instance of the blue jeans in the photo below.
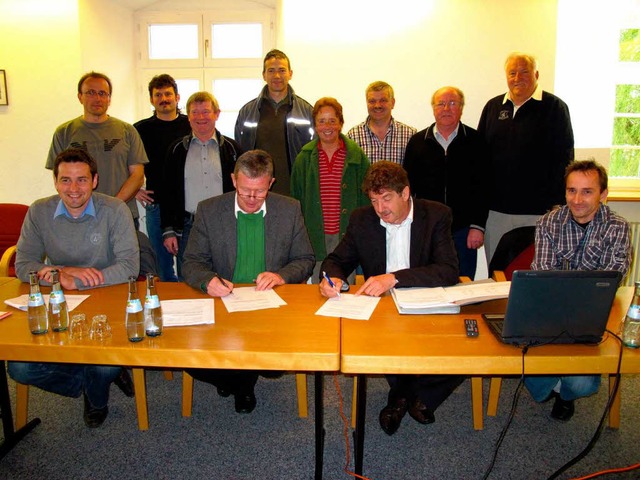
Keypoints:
(68, 379)
(154, 231)
(571, 386)
(182, 242)
(467, 257)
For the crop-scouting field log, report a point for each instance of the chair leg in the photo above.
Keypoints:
(476, 402)
(141, 398)
(187, 394)
(22, 404)
(168, 374)
(494, 396)
(614, 413)
(354, 402)
(301, 388)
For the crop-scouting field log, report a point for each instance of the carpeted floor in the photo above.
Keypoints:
(273, 443)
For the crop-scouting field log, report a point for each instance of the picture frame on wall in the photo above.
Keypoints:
(4, 98)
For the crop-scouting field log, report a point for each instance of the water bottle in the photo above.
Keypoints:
(631, 325)
(36, 310)
(58, 312)
(152, 309)
(134, 320)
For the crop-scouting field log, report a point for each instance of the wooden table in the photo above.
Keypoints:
(291, 338)
(390, 343)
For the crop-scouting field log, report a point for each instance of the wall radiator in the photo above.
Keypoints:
(634, 271)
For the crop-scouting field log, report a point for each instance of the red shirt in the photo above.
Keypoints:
(330, 187)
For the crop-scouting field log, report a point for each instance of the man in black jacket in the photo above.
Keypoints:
(447, 162)
(400, 242)
(198, 166)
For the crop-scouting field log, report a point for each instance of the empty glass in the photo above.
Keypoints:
(100, 328)
(78, 328)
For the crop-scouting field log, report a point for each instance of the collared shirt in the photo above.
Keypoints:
(445, 142)
(391, 148)
(537, 95)
(262, 210)
(330, 171)
(202, 172)
(61, 209)
(399, 243)
(562, 244)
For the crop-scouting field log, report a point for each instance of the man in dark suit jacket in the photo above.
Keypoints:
(246, 237)
(399, 242)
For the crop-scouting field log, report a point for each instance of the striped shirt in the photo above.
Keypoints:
(391, 148)
(330, 186)
(562, 244)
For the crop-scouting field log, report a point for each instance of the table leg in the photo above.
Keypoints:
(11, 436)
(614, 412)
(358, 435)
(320, 432)
(140, 388)
(476, 402)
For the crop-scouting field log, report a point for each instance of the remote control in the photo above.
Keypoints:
(471, 326)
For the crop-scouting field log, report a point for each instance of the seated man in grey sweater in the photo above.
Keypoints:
(90, 239)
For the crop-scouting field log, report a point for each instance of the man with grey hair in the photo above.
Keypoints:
(380, 135)
(530, 139)
(246, 236)
(197, 166)
(447, 162)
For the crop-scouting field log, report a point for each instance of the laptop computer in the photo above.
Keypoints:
(556, 306)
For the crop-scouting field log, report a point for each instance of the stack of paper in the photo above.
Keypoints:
(21, 302)
(448, 299)
(194, 311)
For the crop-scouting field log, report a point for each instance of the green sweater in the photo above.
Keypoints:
(305, 187)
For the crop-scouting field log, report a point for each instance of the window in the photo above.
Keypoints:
(218, 52)
(625, 149)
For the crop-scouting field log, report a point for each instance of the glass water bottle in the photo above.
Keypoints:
(134, 320)
(36, 309)
(631, 326)
(58, 312)
(152, 309)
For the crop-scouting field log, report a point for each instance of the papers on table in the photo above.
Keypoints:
(349, 306)
(195, 311)
(4, 315)
(21, 302)
(448, 299)
(244, 299)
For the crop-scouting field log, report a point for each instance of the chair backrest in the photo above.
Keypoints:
(11, 219)
(515, 251)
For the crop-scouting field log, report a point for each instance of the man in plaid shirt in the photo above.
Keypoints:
(584, 234)
(380, 136)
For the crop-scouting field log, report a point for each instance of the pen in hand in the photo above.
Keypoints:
(331, 284)
(224, 284)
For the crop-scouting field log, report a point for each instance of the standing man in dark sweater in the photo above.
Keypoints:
(530, 139)
(447, 163)
(277, 121)
(159, 131)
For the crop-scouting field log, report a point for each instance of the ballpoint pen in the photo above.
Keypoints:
(224, 284)
(331, 284)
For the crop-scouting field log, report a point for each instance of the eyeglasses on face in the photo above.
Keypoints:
(259, 195)
(450, 104)
(96, 93)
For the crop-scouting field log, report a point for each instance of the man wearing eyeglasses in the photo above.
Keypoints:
(246, 236)
(447, 162)
(198, 166)
(114, 144)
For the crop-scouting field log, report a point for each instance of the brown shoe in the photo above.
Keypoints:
(421, 413)
(391, 415)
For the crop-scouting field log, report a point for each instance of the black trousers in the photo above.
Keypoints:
(431, 390)
(240, 382)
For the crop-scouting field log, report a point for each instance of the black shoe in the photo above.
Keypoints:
(245, 403)
(562, 409)
(391, 415)
(223, 391)
(421, 413)
(124, 383)
(94, 417)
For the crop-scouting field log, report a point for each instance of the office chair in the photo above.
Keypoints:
(11, 219)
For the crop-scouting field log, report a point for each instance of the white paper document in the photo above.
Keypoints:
(349, 306)
(21, 302)
(191, 311)
(244, 299)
